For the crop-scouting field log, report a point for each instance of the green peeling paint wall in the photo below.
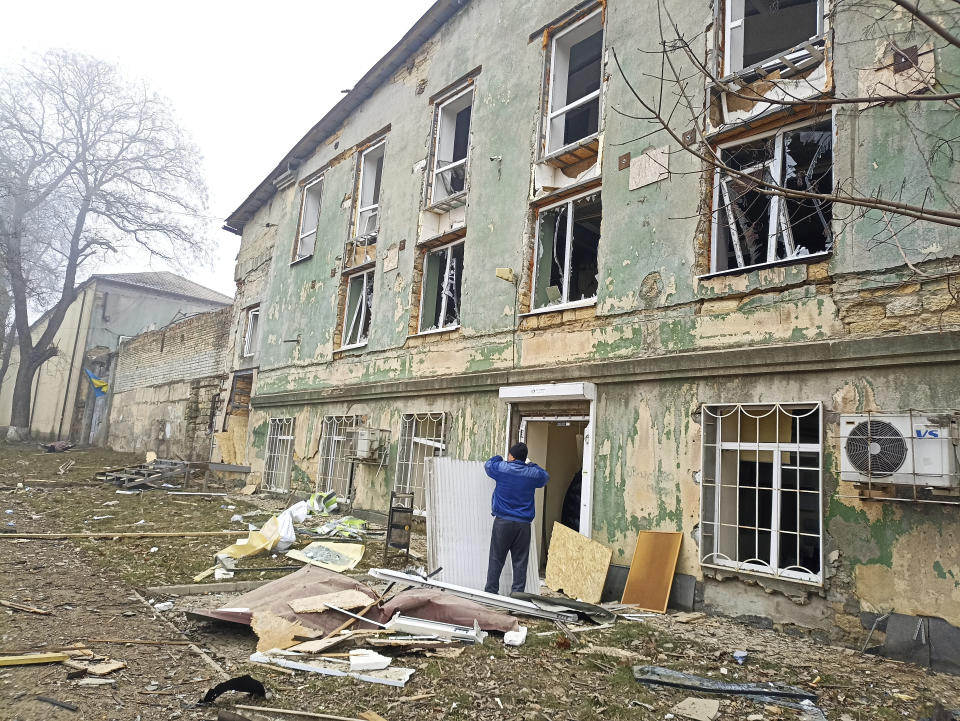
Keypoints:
(654, 300)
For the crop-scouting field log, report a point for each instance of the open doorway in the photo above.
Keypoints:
(556, 443)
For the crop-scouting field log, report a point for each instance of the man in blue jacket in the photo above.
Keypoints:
(513, 510)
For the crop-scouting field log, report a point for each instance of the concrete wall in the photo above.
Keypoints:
(166, 387)
(872, 326)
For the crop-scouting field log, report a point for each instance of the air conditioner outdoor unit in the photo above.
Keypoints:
(898, 449)
(366, 444)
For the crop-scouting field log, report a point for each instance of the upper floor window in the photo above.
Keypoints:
(565, 261)
(761, 30)
(251, 335)
(452, 145)
(368, 206)
(573, 106)
(442, 281)
(752, 227)
(309, 220)
(358, 309)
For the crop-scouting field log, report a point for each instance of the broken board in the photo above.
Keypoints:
(651, 571)
(576, 565)
(276, 632)
(349, 599)
(333, 556)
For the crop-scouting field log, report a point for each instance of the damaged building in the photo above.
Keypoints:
(481, 243)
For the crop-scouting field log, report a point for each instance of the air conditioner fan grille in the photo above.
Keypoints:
(876, 448)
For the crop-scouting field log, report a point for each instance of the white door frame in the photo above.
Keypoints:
(562, 392)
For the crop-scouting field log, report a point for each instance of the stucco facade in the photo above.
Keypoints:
(852, 327)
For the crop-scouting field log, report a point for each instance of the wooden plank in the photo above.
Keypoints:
(30, 658)
(21, 607)
(576, 565)
(651, 570)
(146, 534)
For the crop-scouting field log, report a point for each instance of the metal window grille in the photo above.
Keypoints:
(422, 436)
(335, 472)
(761, 489)
(276, 468)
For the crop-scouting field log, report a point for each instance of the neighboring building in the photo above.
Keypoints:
(166, 389)
(473, 247)
(107, 308)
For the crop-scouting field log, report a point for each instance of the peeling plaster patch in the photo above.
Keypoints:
(507, 310)
(855, 397)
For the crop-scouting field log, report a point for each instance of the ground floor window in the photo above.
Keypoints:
(279, 458)
(761, 489)
(422, 436)
(335, 472)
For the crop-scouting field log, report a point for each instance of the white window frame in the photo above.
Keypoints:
(443, 289)
(414, 447)
(334, 466)
(280, 439)
(307, 188)
(437, 168)
(360, 314)
(730, 24)
(563, 305)
(778, 208)
(375, 206)
(552, 113)
(251, 335)
(713, 556)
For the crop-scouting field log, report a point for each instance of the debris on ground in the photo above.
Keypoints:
(240, 684)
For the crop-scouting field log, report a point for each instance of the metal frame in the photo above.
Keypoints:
(443, 288)
(359, 315)
(278, 460)
(437, 170)
(777, 218)
(412, 452)
(564, 302)
(361, 209)
(247, 335)
(550, 113)
(297, 256)
(712, 478)
(334, 466)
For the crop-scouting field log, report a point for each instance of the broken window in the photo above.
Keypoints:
(279, 457)
(239, 402)
(309, 220)
(422, 436)
(760, 30)
(335, 470)
(760, 502)
(442, 280)
(251, 336)
(752, 227)
(565, 262)
(371, 172)
(573, 107)
(452, 144)
(356, 321)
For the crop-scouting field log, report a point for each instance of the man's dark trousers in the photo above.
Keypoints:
(512, 536)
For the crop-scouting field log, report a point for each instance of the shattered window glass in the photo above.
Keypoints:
(442, 281)
(568, 238)
(753, 227)
(358, 311)
(759, 30)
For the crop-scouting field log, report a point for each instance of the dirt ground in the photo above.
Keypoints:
(97, 591)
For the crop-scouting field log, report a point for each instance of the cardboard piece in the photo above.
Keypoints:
(576, 565)
(349, 600)
(651, 570)
(276, 632)
(335, 556)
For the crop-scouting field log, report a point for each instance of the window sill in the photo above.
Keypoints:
(296, 261)
(801, 58)
(436, 331)
(801, 260)
(561, 307)
(786, 576)
(574, 153)
(439, 207)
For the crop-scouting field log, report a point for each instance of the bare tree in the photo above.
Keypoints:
(909, 66)
(90, 165)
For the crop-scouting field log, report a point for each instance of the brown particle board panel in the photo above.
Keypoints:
(651, 571)
(576, 565)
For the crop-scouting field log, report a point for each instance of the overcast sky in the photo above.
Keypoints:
(246, 79)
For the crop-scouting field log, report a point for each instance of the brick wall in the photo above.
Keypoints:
(193, 348)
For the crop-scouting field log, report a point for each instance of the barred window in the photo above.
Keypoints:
(279, 458)
(761, 490)
(422, 436)
(335, 469)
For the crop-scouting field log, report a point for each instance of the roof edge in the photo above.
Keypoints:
(431, 21)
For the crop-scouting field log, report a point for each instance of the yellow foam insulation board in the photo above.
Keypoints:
(651, 570)
(576, 566)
